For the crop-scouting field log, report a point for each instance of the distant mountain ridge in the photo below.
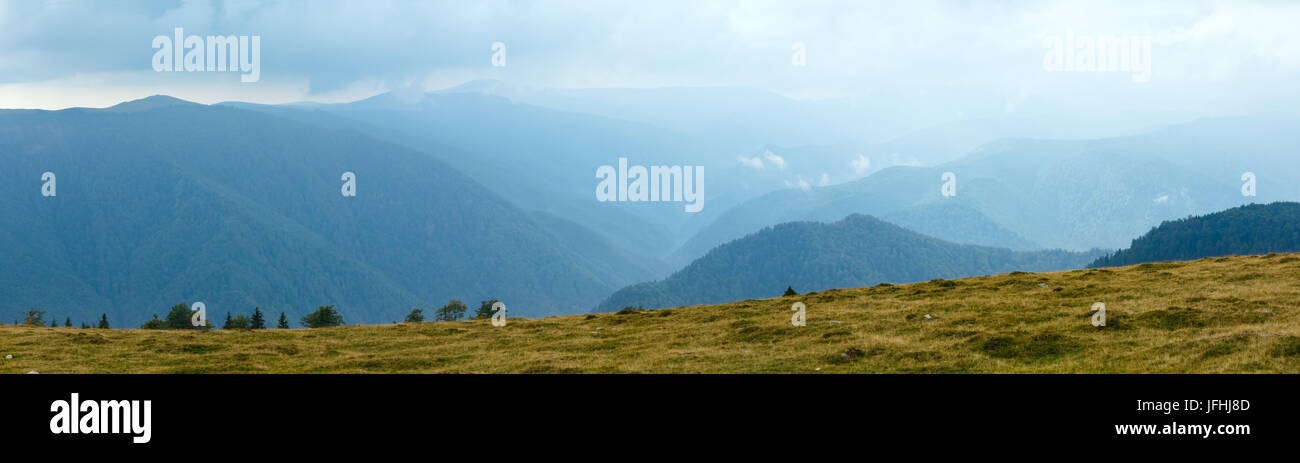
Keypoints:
(538, 158)
(859, 250)
(1244, 230)
(467, 192)
(538, 148)
(1069, 194)
(161, 201)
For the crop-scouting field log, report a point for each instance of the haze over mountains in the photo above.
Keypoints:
(1054, 193)
(487, 191)
(540, 147)
(538, 158)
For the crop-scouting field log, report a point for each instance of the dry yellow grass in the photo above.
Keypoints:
(1220, 315)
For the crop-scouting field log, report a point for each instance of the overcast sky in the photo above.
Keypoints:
(984, 57)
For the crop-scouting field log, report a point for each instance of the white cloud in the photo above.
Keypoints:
(1214, 57)
(896, 159)
(801, 184)
(771, 157)
(753, 163)
(860, 165)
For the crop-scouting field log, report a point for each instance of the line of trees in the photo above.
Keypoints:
(453, 311)
(36, 317)
(242, 322)
(179, 317)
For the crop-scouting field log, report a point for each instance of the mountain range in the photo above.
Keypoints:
(857, 251)
(1069, 194)
(486, 191)
(160, 201)
(539, 149)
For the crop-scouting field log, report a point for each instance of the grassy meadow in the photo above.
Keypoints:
(1214, 315)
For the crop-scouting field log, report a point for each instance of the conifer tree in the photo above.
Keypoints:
(257, 322)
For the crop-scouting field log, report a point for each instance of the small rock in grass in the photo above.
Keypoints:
(32, 372)
(835, 321)
(852, 353)
(9, 356)
(927, 316)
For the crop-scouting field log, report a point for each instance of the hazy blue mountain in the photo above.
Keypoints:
(912, 120)
(545, 160)
(611, 262)
(812, 256)
(1072, 194)
(1226, 147)
(958, 224)
(819, 142)
(733, 115)
(539, 148)
(1244, 230)
(161, 201)
(908, 196)
(843, 162)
